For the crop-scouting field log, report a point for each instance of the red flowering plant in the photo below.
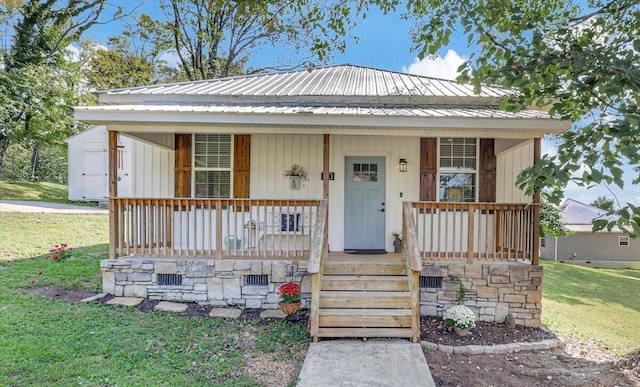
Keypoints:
(58, 253)
(290, 292)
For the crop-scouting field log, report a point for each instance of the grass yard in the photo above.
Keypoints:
(24, 235)
(49, 342)
(600, 305)
(34, 191)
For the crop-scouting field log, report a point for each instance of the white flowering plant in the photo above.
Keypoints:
(460, 316)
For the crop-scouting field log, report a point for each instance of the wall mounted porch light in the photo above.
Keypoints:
(402, 165)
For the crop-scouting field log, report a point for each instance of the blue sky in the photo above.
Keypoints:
(385, 42)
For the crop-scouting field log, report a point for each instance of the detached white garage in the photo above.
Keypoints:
(88, 166)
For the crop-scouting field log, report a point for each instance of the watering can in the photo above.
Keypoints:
(232, 242)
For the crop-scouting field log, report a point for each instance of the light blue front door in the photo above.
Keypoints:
(364, 203)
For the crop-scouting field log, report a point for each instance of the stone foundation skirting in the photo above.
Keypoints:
(205, 281)
(494, 290)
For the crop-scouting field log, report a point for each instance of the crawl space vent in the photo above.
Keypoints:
(169, 279)
(256, 280)
(430, 282)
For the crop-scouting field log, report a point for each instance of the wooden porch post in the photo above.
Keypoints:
(325, 178)
(113, 193)
(535, 251)
(325, 168)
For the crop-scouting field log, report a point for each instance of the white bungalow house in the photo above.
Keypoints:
(383, 152)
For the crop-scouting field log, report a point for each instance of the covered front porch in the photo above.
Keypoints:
(239, 251)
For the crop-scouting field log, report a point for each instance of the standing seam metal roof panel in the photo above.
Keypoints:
(342, 80)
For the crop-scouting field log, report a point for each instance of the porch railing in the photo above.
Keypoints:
(468, 231)
(315, 267)
(414, 267)
(212, 227)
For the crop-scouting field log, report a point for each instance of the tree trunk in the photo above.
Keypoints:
(35, 158)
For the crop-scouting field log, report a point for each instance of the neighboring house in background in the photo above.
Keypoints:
(599, 249)
(384, 152)
(89, 166)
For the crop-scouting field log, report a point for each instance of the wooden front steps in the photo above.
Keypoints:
(365, 296)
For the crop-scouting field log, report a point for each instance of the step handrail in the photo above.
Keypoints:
(414, 266)
(315, 267)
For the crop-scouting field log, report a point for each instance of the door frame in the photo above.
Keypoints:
(343, 188)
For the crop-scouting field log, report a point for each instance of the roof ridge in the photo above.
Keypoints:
(247, 76)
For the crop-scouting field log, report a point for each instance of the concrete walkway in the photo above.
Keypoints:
(371, 363)
(35, 206)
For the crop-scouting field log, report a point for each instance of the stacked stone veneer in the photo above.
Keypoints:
(493, 290)
(205, 281)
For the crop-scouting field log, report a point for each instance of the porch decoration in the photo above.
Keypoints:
(297, 176)
(461, 318)
(397, 242)
(290, 294)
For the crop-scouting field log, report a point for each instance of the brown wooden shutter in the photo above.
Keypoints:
(241, 166)
(183, 166)
(487, 169)
(428, 169)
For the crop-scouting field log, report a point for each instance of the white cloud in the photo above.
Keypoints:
(436, 66)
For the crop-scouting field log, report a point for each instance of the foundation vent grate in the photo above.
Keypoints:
(430, 282)
(256, 280)
(169, 279)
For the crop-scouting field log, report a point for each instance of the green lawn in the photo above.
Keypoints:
(601, 305)
(47, 192)
(47, 342)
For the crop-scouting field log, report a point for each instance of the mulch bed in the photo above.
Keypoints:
(435, 330)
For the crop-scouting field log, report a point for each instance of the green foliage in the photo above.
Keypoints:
(462, 292)
(604, 203)
(551, 221)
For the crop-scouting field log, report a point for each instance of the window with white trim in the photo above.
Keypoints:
(623, 241)
(212, 154)
(458, 170)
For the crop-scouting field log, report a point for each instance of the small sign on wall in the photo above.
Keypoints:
(295, 182)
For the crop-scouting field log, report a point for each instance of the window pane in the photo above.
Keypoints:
(212, 150)
(457, 187)
(458, 153)
(213, 184)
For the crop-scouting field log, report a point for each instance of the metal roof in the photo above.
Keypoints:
(324, 110)
(335, 81)
(576, 213)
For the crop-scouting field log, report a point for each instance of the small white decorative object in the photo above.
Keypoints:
(297, 175)
(294, 182)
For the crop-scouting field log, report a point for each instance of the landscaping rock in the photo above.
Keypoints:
(165, 306)
(125, 301)
(225, 313)
(275, 313)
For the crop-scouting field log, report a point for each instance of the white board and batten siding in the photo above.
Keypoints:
(144, 170)
(272, 154)
(510, 163)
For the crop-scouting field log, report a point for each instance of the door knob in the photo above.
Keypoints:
(382, 203)
(381, 210)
